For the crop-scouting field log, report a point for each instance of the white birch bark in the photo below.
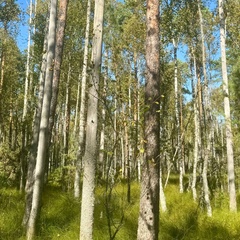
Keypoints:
(178, 144)
(229, 136)
(82, 116)
(115, 134)
(43, 134)
(90, 156)
(196, 129)
(102, 133)
(66, 123)
(34, 143)
(25, 103)
(28, 64)
(208, 120)
(163, 204)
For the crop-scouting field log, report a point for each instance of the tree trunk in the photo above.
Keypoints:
(196, 129)
(25, 105)
(148, 221)
(126, 153)
(229, 137)
(66, 125)
(103, 119)
(207, 119)
(89, 160)
(34, 143)
(2, 69)
(43, 134)
(82, 115)
(178, 141)
(136, 119)
(61, 23)
(57, 61)
(162, 195)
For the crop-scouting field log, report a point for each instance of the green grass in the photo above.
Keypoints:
(60, 215)
(188, 220)
(11, 204)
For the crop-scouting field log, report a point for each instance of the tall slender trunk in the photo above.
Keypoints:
(28, 64)
(207, 118)
(196, 128)
(66, 125)
(61, 23)
(43, 134)
(82, 115)
(2, 68)
(227, 111)
(57, 61)
(34, 143)
(2, 73)
(126, 153)
(148, 221)
(135, 158)
(25, 104)
(103, 118)
(115, 134)
(178, 141)
(89, 160)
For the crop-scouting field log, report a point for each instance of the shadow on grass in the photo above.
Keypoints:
(60, 215)
(179, 225)
(191, 226)
(12, 207)
(188, 221)
(120, 214)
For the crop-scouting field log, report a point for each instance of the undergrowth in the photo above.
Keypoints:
(115, 218)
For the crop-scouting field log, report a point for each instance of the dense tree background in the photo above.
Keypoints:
(193, 144)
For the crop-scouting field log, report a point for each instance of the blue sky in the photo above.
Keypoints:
(23, 27)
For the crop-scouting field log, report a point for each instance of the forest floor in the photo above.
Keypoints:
(115, 218)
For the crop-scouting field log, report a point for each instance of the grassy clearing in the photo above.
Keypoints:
(61, 213)
(60, 216)
(187, 220)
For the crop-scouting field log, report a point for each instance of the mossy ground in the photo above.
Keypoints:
(60, 215)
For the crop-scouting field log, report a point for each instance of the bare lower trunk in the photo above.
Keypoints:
(34, 143)
(25, 105)
(148, 220)
(178, 140)
(205, 180)
(88, 189)
(207, 118)
(162, 195)
(66, 130)
(229, 136)
(82, 115)
(196, 129)
(43, 134)
(102, 133)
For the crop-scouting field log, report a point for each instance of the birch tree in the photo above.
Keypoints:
(229, 137)
(43, 134)
(25, 105)
(90, 156)
(196, 126)
(82, 115)
(148, 221)
(207, 117)
(176, 91)
(35, 131)
(34, 142)
(61, 23)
